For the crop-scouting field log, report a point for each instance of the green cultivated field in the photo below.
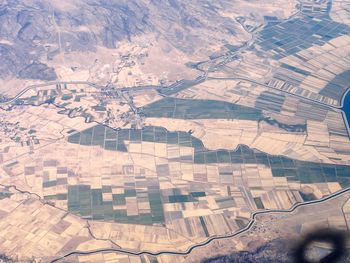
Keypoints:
(293, 170)
(200, 109)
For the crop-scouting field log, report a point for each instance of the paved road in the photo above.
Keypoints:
(138, 89)
(190, 249)
(50, 83)
(208, 241)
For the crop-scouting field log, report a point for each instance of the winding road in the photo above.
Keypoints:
(254, 215)
(209, 240)
(213, 238)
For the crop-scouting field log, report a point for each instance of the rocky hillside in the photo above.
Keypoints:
(34, 31)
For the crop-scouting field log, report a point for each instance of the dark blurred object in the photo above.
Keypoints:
(335, 238)
(283, 250)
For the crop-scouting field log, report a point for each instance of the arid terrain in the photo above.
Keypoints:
(171, 130)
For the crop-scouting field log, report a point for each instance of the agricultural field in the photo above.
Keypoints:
(176, 132)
